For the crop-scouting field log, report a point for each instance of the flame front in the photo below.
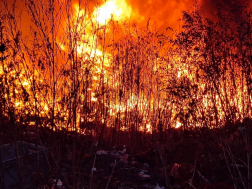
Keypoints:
(95, 65)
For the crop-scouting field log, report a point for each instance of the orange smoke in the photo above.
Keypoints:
(161, 13)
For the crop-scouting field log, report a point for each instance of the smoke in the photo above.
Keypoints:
(167, 13)
(162, 13)
(233, 8)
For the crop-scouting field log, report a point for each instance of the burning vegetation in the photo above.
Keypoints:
(93, 74)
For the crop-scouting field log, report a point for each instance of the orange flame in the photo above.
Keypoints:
(113, 9)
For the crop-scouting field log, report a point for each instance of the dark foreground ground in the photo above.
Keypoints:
(196, 158)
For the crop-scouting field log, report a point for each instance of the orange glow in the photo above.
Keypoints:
(149, 128)
(117, 65)
(178, 124)
(25, 83)
(113, 9)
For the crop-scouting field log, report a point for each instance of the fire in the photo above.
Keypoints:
(148, 128)
(93, 98)
(178, 124)
(113, 9)
(26, 83)
(125, 80)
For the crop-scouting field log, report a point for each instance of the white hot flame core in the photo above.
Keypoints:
(116, 9)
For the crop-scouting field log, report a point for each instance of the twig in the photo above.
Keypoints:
(111, 175)
(194, 169)
(189, 182)
(164, 166)
(203, 178)
(226, 159)
(92, 171)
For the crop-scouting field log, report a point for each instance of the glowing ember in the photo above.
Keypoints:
(25, 83)
(178, 124)
(148, 128)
